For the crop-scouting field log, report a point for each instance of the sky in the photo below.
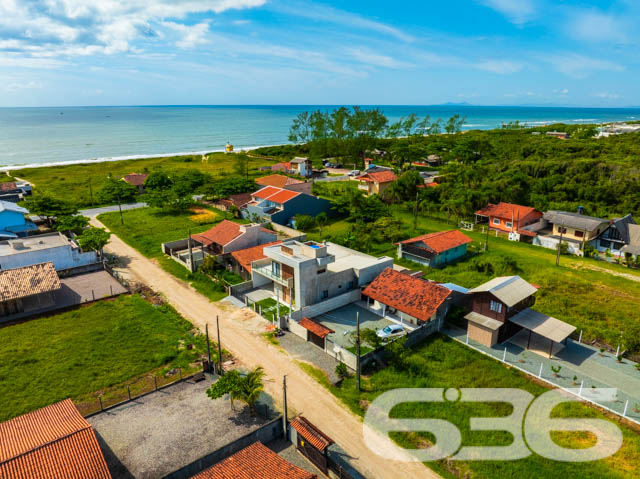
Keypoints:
(162, 52)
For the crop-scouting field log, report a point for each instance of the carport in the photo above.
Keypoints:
(548, 327)
(316, 332)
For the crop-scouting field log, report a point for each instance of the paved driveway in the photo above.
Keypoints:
(109, 209)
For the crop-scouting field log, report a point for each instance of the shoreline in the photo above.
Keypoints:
(108, 159)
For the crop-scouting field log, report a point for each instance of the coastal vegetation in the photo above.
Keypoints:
(75, 353)
(440, 362)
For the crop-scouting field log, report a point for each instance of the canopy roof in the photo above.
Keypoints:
(546, 326)
(485, 321)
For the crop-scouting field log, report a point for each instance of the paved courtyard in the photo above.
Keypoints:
(160, 433)
(343, 322)
(87, 287)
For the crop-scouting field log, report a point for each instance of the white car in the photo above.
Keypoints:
(390, 331)
(354, 173)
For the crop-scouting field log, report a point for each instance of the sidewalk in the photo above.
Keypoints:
(585, 363)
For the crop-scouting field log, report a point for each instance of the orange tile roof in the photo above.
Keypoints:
(50, 443)
(255, 462)
(316, 328)
(265, 192)
(316, 438)
(283, 196)
(8, 186)
(281, 166)
(247, 256)
(29, 280)
(506, 211)
(385, 176)
(135, 179)
(413, 296)
(279, 181)
(440, 241)
(220, 234)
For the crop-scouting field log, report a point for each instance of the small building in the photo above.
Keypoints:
(278, 205)
(242, 259)
(238, 201)
(255, 461)
(302, 166)
(137, 180)
(435, 249)
(51, 443)
(508, 217)
(562, 135)
(616, 236)
(285, 182)
(28, 289)
(434, 160)
(375, 182)
(501, 308)
(633, 246)
(414, 300)
(55, 247)
(311, 442)
(14, 191)
(13, 221)
(575, 229)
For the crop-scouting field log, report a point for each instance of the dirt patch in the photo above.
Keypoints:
(630, 276)
(202, 215)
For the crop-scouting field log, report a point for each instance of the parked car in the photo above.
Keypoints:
(390, 331)
(328, 164)
(354, 173)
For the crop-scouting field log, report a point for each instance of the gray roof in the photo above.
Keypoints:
(547, 326)
(573, 220)
(9, 206)
(508, 289)
(622, 225)
(482, 320)
(633, 245)
(299, 160)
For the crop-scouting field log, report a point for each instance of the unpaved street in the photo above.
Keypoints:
(240, 330)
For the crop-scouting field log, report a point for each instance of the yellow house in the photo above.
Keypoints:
(574, 226)
(376, 182)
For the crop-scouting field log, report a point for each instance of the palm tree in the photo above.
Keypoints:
(250, 388)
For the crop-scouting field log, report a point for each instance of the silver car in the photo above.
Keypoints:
(390, 331)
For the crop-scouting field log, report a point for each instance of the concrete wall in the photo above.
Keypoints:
(175, 245)
(63, 257)
(240, 288)
(270, 431)
(368, 274)
(285, 230)
(253, 236)
(552, 243)
(298, 330)
(327, 305)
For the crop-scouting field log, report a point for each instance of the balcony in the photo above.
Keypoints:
(265, 270)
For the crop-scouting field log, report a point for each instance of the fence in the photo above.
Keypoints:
(117, 276)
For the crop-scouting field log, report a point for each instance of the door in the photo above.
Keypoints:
(315, 339)
(316, 457)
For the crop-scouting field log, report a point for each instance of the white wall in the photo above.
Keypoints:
(327, 305)
(63, 257)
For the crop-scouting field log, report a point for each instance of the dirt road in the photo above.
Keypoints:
(239, 331)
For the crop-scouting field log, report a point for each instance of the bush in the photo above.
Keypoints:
(342, 371)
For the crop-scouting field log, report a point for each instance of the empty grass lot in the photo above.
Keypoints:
(440, 362)
(145, 229)
(76, 353)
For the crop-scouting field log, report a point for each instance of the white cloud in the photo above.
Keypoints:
(502, 67)
(597, 26)
(31, 85)
(375, 59)
(563, 91)
(608, 96)
(517, 11)
(580, 66)
(191, 35)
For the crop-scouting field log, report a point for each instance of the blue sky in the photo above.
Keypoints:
(486, 52)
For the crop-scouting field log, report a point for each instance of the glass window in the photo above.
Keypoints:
(496, 221)
(496, 306)
(579, 234)
(508, 224)
(605, 244)
(325, 294)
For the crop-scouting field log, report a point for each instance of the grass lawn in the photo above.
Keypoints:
(578, 291)
(146, 228)
(270, 310)
(440, 362)
(89, 349)
(76, 182)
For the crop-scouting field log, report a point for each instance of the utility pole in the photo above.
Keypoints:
(190, 252)
(220, 371)
(206, 328)
(486, 241)
(415, 213)
(284, 405)
(559, 246)
(120, 208)
(358, 350)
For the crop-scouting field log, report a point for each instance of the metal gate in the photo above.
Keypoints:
(316, 457)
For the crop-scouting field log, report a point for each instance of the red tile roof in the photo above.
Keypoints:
(506, 211)
(255, 462)
(135, 179)
(316, 438)
(28, 280)
(316, 328)
(379, 176)
(279, 181)
(283, 196)
(247, 256)
(266, 192)
(413, 296)
(281, 166)
(50, 443)
(440, 241)
(220, 234)
(8, 186)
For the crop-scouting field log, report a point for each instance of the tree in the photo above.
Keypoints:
(117, 191)
(241, 165)
(370, 337)
(44, 205)
(190, 181)
(321, 220)
(175, 199)
(94, 239)
(305, 222)
(389, 228)
(246, 388)
(232, 185)
(158, 180)
(73, 224)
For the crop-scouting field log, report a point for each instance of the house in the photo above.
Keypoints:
(55, 247)
(242, 259)
(508, 217)
(414, 300)
(615, 237)
(575, 229)
(28, 289)
(255, 461)
(285, 167)
(51, 443)
(238, 201)
(305, 274)
(434, 160)
(501, 308)
(375, 182)
(435, 249)
(558, 134)
(278, 205)
(302, 166)
(633, 246)
(14, 191)
(285, 182)
(137, 180)
(311, 442)
(13, 223)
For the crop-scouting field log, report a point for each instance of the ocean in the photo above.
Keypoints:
(59, 135)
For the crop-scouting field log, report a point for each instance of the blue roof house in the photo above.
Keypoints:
(13, 223)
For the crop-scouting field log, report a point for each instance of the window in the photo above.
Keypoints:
(323, 270)
(351, 285)
(496, 306)
(508, 224)
(605, 244)
(496, 221)
(562, 229)
(325, 294)
(579, 234)
(275, 269)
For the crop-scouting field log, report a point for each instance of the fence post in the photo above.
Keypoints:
(100, 399)
(155, 382)
(129, 392)
(540, 373)
(504, 356)
(618, 351)
(580, 391)
(467, 337)
(180, 373)
(93, 294)
(580, 338)
(111, 289)
(624, 414)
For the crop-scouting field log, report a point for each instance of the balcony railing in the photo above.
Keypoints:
(278, 278)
